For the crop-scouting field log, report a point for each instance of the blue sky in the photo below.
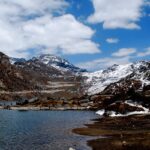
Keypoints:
(139, 39)
(92, 34)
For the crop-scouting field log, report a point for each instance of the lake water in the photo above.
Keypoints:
(42, 130)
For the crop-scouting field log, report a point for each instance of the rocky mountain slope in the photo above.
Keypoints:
(121, 89)
(51, 79)
(33, 79)
(12, 78)
(37, 68)
(59, 63)
(52, 62)
(14, 60)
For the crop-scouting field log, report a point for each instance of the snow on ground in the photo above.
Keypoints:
(60, 68)
(114, 114)
(135, 104)
(129, 102)
(100, 112)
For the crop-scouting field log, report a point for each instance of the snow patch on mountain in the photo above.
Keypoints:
(99, 80)
(59, 63)
(56, 62)
(141, 72)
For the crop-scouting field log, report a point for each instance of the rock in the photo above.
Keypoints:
(12, 78)
(71, 148)
(122, 108)
(124, 143)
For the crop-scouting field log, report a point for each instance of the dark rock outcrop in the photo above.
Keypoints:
(11, 78)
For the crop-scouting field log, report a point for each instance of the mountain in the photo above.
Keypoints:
(96, 82)
(120, 90)
(24, 79)
(11, 78)
(38, 68)
(14, 60)
(50, 66)
(55, 64)
(58, 63)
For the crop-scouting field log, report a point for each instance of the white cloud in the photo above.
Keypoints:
(122, 56)
(26, 24)
(117, 13)
(112, 40)
(28, 7)
(145, 53)
(124, 52)
(103, 63)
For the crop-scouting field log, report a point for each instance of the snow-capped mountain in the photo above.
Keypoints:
(52, 61)
(95, 82)
(37, 67)
(108, 89)
(58, 63)
(98, 81)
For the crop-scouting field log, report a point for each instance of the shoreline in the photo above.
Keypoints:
(38, 108)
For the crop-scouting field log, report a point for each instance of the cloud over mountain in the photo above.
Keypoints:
(102, 63)
(124, 52)
(40, 25)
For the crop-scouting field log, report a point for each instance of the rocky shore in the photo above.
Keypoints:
(25, 108)
(118, 133)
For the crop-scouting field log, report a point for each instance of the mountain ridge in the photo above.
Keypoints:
(108, 89)
(54, 61)
(99, 80)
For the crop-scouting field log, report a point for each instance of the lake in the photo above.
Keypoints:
(43, 130)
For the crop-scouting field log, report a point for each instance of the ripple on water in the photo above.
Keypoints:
(42, 130)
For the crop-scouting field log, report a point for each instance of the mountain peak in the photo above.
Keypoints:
(58, 63)
(49, 58)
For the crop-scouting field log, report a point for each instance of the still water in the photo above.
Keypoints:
(42, 130)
